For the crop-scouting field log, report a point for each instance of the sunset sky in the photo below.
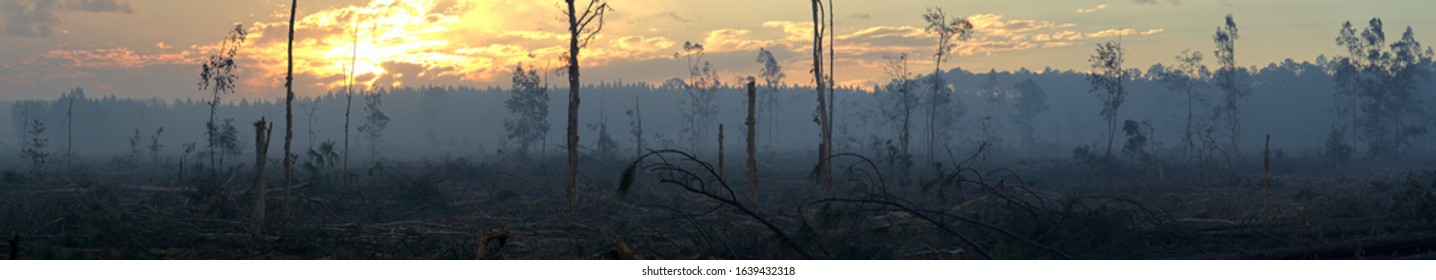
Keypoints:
(153, 48)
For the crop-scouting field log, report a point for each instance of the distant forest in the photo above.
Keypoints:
(1295, 102)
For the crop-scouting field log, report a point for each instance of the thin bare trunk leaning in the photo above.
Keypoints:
(349, 102)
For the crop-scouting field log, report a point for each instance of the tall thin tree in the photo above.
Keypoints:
(349, 98)
(832, 98)
(1226, 76)
(948, 30)
(898, 103)
(1107, 79)
(819, 80)
(289, 107)
(1184, 78)
(772, 74)
(581, 30)
(218, 75)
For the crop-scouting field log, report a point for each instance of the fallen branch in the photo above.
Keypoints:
(1391, 246)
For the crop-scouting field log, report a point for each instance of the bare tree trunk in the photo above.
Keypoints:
(720, 151)
(349, 102)
(289, 106)
(262, 130)
(638, 130)
(832, 99)
(823, 121)
(70, 127)
(571, 192)
(752, 149)
(1266, 180)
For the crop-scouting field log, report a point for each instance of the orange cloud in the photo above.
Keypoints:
(1092, 9)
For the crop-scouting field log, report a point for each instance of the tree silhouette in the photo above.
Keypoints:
(752, 123)
(772, 75)
(1380, 86)
(289, 108)
(528, 107)
(1184, 78)
(155, 145)
(581, 30)
(349, 80)
(1107, 79)
(636, 121)
(988, 122)
(899, 102)
(702, 90)
(949, 30)
(75, 94)
(1226, 79)
(34, 148)
(824, 120)
(262, 131)
(374, 124)
(1031, 100)
(1410, 65)
(832, 98)
(218, 74)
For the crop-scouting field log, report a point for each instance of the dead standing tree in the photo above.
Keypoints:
(824, 147)
(289, 107)
(580, 32)
(752, 150)
(262, 131)
(349, 99)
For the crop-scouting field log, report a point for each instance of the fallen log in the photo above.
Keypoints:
(1384, 247)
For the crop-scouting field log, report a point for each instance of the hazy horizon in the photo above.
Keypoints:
(51, 48)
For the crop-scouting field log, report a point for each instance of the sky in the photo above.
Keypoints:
(154, 48)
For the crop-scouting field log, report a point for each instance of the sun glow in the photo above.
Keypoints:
(423, 37)
(386, 32)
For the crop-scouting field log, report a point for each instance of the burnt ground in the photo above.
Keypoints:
(674, 208)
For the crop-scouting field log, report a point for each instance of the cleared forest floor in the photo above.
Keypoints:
(456, 209)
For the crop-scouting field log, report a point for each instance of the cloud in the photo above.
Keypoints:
(674, 16)
(39, 18)
(730, 39)
(858, 16)
(1154, 2)
(123, 58)
(1092, 9)
(62, 64)
(1069, 35)
(1121, 32)
(1064, 35)
(793, 31)
(994, 24)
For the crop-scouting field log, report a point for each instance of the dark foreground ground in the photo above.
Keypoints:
(457, 209)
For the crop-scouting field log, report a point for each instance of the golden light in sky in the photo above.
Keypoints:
(381, 35)
(479, 42)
